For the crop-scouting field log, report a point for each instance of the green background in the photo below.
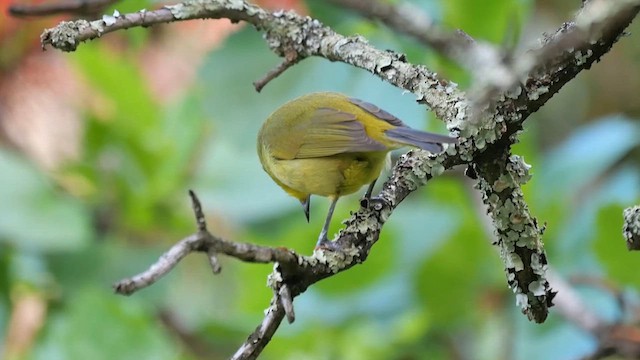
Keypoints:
(433, 286)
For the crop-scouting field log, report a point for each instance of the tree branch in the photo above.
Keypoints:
(481, 59)
(261, 336)
(80, 7)
(203, 241)
(285, 33)
(574, 47)
(518, 234)
(501, 186)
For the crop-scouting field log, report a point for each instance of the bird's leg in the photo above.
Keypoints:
(323, 241)
(305, 206)
(367, 195)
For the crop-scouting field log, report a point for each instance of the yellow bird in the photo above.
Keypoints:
(331, 145)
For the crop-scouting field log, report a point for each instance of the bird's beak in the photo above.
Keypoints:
(305, 206)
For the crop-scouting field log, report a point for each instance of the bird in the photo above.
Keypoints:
(329, 144)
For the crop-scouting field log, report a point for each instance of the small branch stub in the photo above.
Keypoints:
(291, 58)
(287, 303)
(197, 210)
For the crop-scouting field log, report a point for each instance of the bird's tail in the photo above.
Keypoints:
(422, 139)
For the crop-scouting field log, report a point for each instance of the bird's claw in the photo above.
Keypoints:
(325, 244)
(376, 202)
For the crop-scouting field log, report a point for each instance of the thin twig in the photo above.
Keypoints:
(290, 59)
(193, 341)
(205, 242)
(165, 263)
(197, 211)
(79, 7)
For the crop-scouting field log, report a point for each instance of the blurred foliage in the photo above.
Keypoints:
(432, 288)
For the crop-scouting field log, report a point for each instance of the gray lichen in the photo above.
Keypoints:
(519, 238)
(189, 9)
(64, 35)
(337, 260)
(631, 227)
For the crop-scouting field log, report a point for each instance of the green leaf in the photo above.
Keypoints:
(586, 155)
(132, 109)
(35, 214)
(453, 281)
(138, 153)
(611, 249)
(497, 21)
(472, 17)
(6, 278)
(97, 324)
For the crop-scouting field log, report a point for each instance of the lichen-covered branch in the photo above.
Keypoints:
(566, 301)
(518, 233)
(574, 47)
(496, 129)
(484, 61)
(67, 35)
(631, 227)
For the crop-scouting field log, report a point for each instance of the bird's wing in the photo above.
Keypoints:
(331, 132)
(377, 112)
(403, 134)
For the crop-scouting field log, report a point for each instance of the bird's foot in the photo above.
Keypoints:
(325, 244)
(376, 202)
